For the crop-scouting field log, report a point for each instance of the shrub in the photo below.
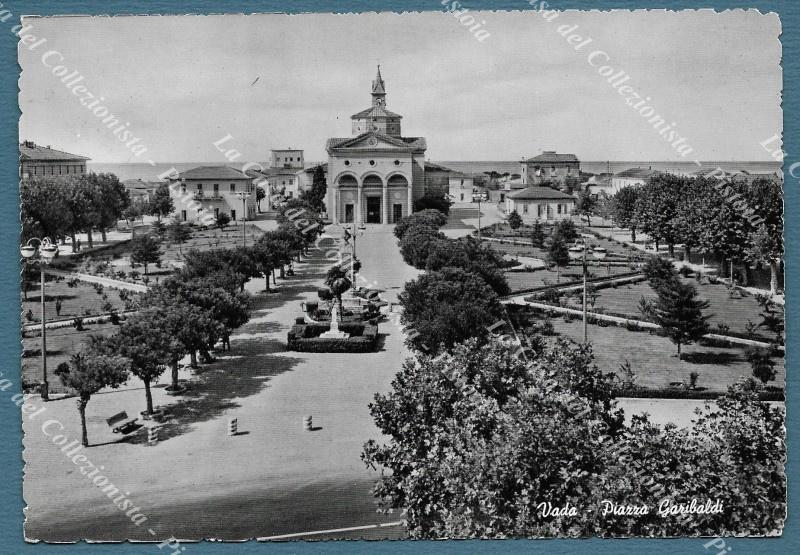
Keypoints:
(29, 315)
(685, 271)
(693, 380)
(114, 318)
(78, 323)
(762, 365)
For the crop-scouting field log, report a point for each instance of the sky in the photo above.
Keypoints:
(276, 81)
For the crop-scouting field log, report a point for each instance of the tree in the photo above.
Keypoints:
(178, 233)
(87, 373)
(660, 273)
(446, 307)
(315, 196)
(416, 244)
(585, 205)
(43, 209)
(161, 204)
(135, 210)
(761, 363)
(113, 199)
(261, 194)
(468, 253)
(477, 438)
(433, 201)
(142, 341)
(431, 218)
(623, 209)
(222, 219)
(338, 283)
(566, 230)
(557, 254)
(145, 250)
(82, 200)
(680, 313)
(537, 235)
(514, 220)
(657, 208)
(765, 249)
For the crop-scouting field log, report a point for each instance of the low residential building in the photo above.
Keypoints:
(540, 203)
(140, 190)
(305, 177)
(561, 170)
(215, 190)
(41, 161)
(632, 177)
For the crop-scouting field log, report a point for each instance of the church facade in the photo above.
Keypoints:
(376, 174)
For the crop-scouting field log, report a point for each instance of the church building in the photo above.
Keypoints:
(376, 174)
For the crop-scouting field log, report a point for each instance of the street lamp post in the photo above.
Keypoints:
(244, 197)
(47, 250)
(579, 252)
(479, 218)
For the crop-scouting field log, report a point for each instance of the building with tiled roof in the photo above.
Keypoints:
(376, 174)
(561, 170)
(632, 177)
(213, 189)
(43, 161)
(540, 204)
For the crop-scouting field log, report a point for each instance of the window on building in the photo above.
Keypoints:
(559, 209)
(200, 187)
(216, 188)
(233, 187)
(525, 208)
(183, 189)
(183, 215)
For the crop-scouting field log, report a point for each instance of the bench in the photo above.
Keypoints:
(127, 426)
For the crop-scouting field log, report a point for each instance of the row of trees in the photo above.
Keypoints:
(708, 216)
(61, 207)
(458, 295)
(185, 314)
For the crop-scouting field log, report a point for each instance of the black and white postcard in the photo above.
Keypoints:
(434, 275)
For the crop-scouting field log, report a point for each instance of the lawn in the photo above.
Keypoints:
(77, 299)
(653, 358)
(111, 262)
(733, 312)
(62, 343)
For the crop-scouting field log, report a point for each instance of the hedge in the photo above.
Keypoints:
(306, 338)
(769, 394)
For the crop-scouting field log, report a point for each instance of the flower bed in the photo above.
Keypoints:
(306, 338)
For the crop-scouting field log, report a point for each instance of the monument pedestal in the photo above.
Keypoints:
(334, 332)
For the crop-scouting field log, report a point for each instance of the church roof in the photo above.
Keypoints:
(375, 112)
(414, 143)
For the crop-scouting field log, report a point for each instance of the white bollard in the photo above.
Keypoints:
(307, 423)
(233, 426)
(152, 435)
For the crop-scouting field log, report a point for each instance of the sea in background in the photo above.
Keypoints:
(146, 172)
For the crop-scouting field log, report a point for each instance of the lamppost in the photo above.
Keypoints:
(47, 250)
(579, 252)
(244, 197)
(479, 218)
